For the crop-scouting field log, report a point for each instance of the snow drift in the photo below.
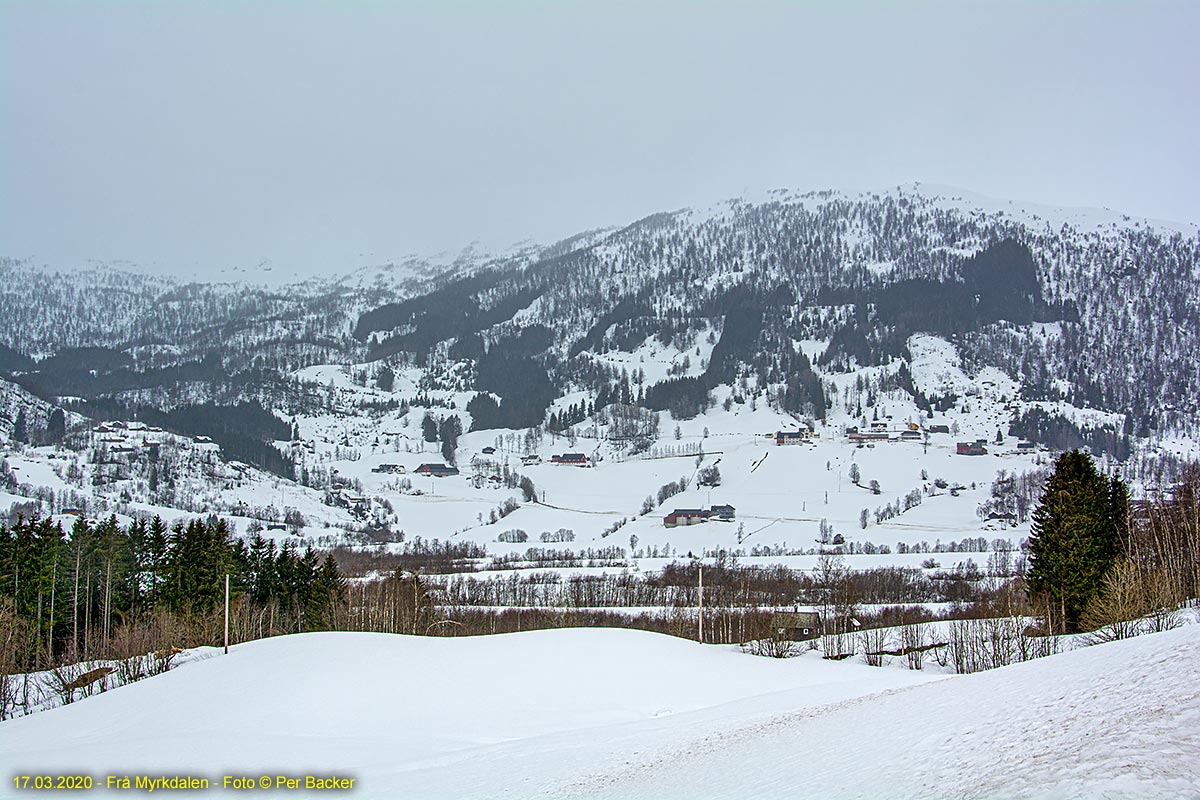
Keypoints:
(615, 713)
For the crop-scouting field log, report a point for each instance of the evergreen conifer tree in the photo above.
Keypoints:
(449, 431)
(1119, 510)
(429, 428)
(56, 427)
(386, 379)
(1075, 539)
(327, 590)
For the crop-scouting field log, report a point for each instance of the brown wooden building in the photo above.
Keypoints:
(797, 626)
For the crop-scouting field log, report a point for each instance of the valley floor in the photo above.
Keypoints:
(618, 713)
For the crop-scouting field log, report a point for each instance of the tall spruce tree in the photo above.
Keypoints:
(385, 379)
(429, 428)
(198, 560)
(448, 431)
(56, 426)
(328, 589)
(1118, 501)
(1075, 538)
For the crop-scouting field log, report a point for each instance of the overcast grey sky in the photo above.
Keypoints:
(199, 136)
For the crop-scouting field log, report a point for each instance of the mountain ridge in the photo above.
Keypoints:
(856, 273)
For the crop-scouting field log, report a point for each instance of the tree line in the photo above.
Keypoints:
(735, 586)
(80, 595)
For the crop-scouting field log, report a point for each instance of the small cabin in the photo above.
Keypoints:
(796, 626)
(971, 449)
(530, 460)
(1026, 447)
(791, 437)
(574, 459)
(939, 429)
(487, 451)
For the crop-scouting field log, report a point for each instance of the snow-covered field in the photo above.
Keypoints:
(619, 713)
(782, 494)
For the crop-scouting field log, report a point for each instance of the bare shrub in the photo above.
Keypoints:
(874, 643)
(401, 603)
(145, 646)
(837, 646)
(1133, 600)
(1163, 597)
(978, 644)
(912, 642)
(1114, 613)
(1033, 641)
(8, 692)
(965, 648)
(62, 681)
(133, 668)
(85, 677)
(12, 634)
(1168, 540)
(772, 647)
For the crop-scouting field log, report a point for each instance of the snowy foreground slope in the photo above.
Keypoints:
(617, 713)
(1119, 720)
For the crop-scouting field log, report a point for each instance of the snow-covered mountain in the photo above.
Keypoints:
(1105, 315)
(916, 307)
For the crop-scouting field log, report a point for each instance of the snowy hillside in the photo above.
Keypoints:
(608, 713)
(1116, 720)
(895, 326)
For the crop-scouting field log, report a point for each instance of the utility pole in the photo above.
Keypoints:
(227, 614)
(701, 604)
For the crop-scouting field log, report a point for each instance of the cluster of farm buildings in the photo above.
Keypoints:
(694, 516)
(879, 432)
(437, 469)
